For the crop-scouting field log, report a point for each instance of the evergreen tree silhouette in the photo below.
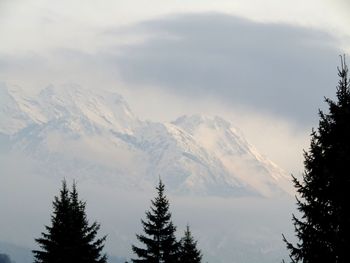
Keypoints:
(189, 253)
(70, 238)
(160, 245)
(324, 227)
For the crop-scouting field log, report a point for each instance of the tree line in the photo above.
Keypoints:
(71, 239)
(322, 230)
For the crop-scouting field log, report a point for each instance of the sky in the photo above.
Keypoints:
(263, 65)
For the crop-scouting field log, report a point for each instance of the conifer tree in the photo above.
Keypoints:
(70, 238)
(160, 245)
(324, 227)
(189, 253)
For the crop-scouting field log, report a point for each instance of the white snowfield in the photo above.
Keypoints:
(93, 135)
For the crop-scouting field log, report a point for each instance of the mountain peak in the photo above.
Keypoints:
(73, 130)
(237, 155)
(71, 101)
(12, 116)
(192, 122)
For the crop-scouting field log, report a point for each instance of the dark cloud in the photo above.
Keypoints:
(281, 69)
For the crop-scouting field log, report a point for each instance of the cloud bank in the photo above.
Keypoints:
(281, 69)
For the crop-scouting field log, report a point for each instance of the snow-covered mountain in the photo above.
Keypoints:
(94, 135)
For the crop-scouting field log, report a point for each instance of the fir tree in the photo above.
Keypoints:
(324, 227)
(160, 245)
(189, 253)
(70, 238)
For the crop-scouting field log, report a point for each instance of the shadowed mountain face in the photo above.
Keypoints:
(94, 135)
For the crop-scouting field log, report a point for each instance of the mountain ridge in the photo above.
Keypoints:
(79, 131)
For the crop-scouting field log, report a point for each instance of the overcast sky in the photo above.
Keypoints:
(263, 65)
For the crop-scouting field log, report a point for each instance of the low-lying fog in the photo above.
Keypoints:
(227, 229)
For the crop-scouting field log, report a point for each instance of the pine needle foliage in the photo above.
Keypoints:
(159, 241)
(323, 230)
(70, 238)
(189, 253)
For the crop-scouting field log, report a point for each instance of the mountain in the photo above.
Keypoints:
(15, 253)
(93, 134)
(238, 157)
(12, 117)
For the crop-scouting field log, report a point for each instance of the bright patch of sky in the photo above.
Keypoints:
(38, 24)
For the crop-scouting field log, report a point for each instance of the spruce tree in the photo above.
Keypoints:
(160, 245)
(189, 253)
(324, 227)
(70, 238)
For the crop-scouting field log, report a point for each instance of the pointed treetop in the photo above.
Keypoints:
(343, 88)
(74, 195)
(159, 241)
(187, 231)
(189, 253)
(70, 237)
(64, 188)
(323, 191)
(160, 188)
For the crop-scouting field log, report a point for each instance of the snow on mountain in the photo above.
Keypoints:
(184, 164)
(105, 109)
(12, 117)
(237, 156)
(94, 135)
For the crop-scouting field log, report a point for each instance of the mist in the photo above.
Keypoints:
(230, 227)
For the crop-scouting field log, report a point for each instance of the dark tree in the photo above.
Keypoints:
(189, 253)
(324, 227)
(4, 258)
(70, 238)
(159, 240)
